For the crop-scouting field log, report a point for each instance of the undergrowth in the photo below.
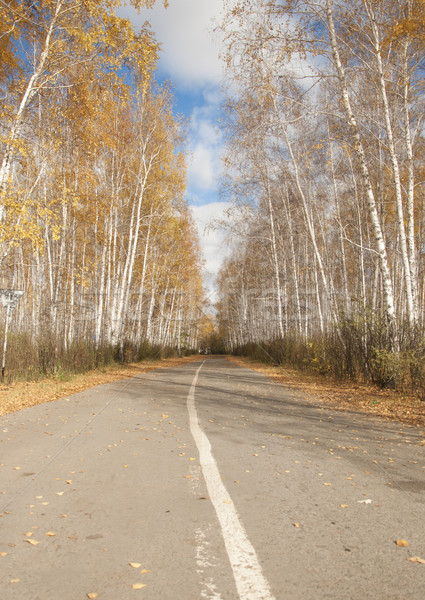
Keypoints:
(361, 351)
(32, 360)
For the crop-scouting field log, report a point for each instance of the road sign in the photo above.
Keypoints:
(10, 298)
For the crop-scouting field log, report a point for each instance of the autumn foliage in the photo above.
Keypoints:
(325, 173)
(93, 225)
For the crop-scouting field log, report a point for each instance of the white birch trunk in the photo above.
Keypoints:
(412, 317)
(361, 157)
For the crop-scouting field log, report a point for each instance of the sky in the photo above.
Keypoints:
(189, 58)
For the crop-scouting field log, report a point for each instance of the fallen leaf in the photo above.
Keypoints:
(69, 481)
(145, 571)
(92, 595)
(50, 533)
(138, 586)
(3, 553)
(14, 581)
(417, 559)
(297, 525)
(32, 542)
(327, 484)
(29, 533)
(402, 543)
(192, 458)
(135, 565)
(60, 493)
(368, 501)
(17, 468)
(343, 505)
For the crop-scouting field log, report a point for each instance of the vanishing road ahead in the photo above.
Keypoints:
(208, 481)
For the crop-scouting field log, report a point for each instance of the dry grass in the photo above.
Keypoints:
(25, 394)
(346, 395)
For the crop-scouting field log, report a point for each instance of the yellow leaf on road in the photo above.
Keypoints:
(417, 559)
(32, 542)
(50, 533)
(135, 565)
(402, 543)
(138, 586)
(92, 595)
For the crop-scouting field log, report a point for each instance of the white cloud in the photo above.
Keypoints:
(212, 239)
(201, 171)
(206, 146)
(189, 47)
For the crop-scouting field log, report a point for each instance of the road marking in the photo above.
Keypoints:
(250, 581)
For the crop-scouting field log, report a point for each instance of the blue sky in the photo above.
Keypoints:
(190, 60)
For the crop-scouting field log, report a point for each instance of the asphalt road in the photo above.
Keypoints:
(208, 481)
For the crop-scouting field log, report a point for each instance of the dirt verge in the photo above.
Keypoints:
(21, 395)
(345, 395)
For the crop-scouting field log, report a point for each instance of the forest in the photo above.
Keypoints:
(324, 169)
(323, 122)
(94, 230)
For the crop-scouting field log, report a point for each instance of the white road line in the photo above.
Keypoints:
(250, 581)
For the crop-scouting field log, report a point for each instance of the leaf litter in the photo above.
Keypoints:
(24, 394)
(344, 395)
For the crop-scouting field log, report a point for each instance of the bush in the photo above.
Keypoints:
(27, 359)
(357, 349)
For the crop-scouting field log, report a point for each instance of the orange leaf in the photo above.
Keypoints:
(402, 543)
